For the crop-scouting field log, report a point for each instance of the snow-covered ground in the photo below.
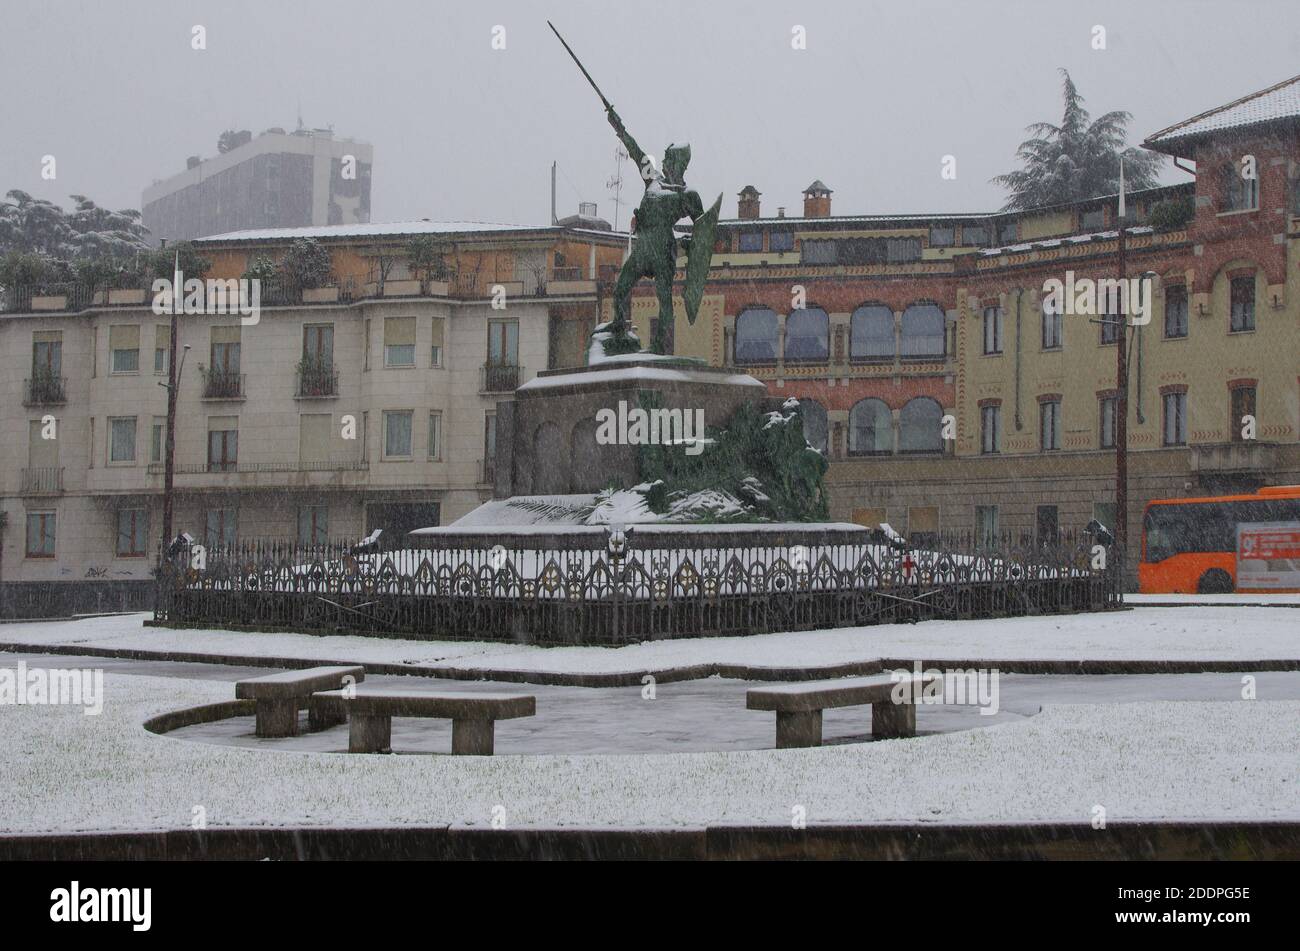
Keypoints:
(1175, 633)
(66, 771)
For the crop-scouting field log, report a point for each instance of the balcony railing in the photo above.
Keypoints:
(500, 378)
(43, 481)
(352, 465)
(45, 391)
(317, 380)
(566, 274)
(487, 472)
(219, 384)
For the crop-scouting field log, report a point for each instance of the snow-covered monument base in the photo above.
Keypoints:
(639, 498)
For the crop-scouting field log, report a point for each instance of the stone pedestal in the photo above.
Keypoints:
(277, 717)
(370, 734)
(795, 729)
(546, 436)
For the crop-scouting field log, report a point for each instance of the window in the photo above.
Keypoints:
(157, 439)
(435, 349)
(221, 527)
(1052, 335)
(807, 335)
(1112, 319)
(1242, 399)
(132, 533)
(923, 525)
(223, 443)
(974, 236)
(944, 237)
(1046, 526)
(1007, 232)
(924, 333)
(313, 524)
(1175, 311)
(814, 423)
(1049, 425)
(47, 354)
(920, 426)
(871, 333)
(1106, 407)
(990, 428)
(121, 447)
(1239, 194)
(162, 335)
(124, 348)
(751, 241)
(397, 434)
(780, 241)
(1242, 294)
(223, 376)
(871, 429)
(756, 336)
(503, 343)
(315, 435)
(992, 330)
(1092, 220)
(435, 435)
(1104, 512)
(399, 341)
(318, 344)
(902, 250)
(819, 252)
(40, 534)
(1175, 419)
(986, 526)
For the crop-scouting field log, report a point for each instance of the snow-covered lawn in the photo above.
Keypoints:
(66, 771)
(1175, 633)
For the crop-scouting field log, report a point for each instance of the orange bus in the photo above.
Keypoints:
(1190, 545)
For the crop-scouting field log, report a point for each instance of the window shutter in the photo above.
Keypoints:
(162, 336)
(47, 336)
(314, 437)
(225, 334)
(124, 337)
(437, 332)
(399, 331)
(41, 453)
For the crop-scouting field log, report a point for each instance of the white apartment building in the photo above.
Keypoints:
(320, 422)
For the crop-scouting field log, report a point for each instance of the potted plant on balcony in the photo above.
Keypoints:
(307, 267)
(316, 376)
(427, 264)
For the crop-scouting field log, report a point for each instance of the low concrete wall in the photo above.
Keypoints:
(1120, 840)
(49, 599)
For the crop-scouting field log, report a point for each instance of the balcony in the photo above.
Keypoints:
(317, 381)
(42, 481)
(500, 378)
(220, 384)
(45, 390)
(1229, 458)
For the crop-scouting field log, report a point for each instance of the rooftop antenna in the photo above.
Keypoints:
(615, 182)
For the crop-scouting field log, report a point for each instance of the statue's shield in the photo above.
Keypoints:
(698, 257)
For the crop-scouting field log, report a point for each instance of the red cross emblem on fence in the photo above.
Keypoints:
(909, 566)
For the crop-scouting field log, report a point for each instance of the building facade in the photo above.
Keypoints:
(276, 180)
(948, 395)
(368, 403)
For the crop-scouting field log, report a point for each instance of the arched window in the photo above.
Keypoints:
(871, 333)
(814, 423)
(870, 428)
(807, 335)
(920, 426)
(756, 336)
(924, 332)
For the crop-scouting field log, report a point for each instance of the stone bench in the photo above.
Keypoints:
(279, 697)
(473, 715)
(799, 706)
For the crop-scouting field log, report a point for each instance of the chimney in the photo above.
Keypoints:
(817, 200)
(747, 207)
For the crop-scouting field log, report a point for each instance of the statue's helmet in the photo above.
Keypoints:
(676, 158)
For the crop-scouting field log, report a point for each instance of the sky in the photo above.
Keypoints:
(880, 94)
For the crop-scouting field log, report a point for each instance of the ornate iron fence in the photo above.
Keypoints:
(596, 586)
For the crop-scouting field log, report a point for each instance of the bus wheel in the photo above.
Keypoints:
(1215, 581)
